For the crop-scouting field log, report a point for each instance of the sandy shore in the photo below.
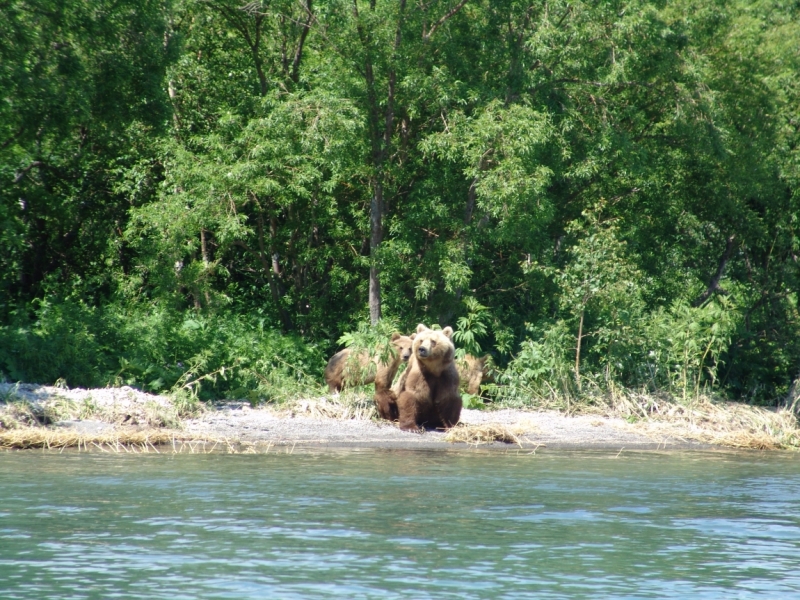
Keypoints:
(322, 422)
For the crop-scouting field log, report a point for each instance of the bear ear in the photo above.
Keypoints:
(448, 331)
(395, 336)
(412, 336)
(421, 328)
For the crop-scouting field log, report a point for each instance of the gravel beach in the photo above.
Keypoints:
(321, 423)
(533, 429)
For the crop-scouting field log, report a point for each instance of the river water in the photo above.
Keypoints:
(400, 524)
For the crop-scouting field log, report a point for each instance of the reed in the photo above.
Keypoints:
(704, 419)
(128, 409)
(158, 441)
(345, 406)
(486, 433)
(148, 440)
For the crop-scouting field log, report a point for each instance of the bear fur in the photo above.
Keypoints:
(428, 393)
(473, 371)
(343, 370)
(386, 403)
(385, 399)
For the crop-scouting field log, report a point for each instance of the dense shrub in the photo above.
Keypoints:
(157, 349)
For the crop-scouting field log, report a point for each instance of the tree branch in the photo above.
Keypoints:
(19, 175)
(443, 20)
(295, 75)
(713, 286)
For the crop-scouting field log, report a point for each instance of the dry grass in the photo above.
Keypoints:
(158, 441)
(345, 406)
(721, 423)
(147, 440)
(486, 433)
(18, 412)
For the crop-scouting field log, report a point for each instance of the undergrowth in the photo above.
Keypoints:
(667, 374)
(188, 355)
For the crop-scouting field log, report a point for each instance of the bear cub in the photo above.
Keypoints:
(473, 371)
(346, 371)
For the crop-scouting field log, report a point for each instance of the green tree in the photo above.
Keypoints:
(82, 97)
(591, 173)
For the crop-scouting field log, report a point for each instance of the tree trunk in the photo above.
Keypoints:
(376, 235)
(298, 54)
(713, 285)
(578, 353)
(262, 78)
(380, 142)
(469, 210)
(206, 263)
(271, 267)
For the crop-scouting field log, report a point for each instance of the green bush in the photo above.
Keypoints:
(684, 346)
(677, 350)
(159, 350)
(59, 340)
(541, 372)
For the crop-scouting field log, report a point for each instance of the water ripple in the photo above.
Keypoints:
(389, 526)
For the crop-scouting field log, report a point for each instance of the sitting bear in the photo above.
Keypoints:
(343, 370)
(385, 398)
(472, 372)
(428, 393)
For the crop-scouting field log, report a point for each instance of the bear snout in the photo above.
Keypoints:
(423, 352)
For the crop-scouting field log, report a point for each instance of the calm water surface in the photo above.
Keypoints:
(397, 524)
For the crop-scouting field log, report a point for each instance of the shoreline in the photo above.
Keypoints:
(113, 417)
(525, 429)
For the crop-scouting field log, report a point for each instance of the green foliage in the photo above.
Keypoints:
(541, 372)
(687, 345)
(679, 351)
(374, 340)
(82, 101)
(597, 194)
(226, 356)
(472, 401)
(65, 341)
(472, 326)
(158, 350)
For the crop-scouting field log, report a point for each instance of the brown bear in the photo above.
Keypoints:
(385, 398)
(343, 371)
(428, 395)
(473, 371)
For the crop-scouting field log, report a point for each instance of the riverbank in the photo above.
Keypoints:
(34, 416)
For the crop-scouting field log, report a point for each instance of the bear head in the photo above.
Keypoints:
(433, 349)
(403, 344)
